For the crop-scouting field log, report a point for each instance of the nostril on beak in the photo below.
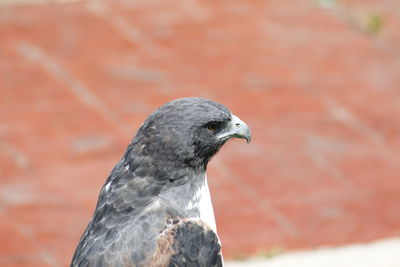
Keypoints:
(237, 125)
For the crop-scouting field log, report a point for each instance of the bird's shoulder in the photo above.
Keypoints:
(125, 222)
(187, 242)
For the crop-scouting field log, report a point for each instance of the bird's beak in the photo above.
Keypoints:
(236, 128)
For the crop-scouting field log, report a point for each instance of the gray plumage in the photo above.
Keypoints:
(148, 212)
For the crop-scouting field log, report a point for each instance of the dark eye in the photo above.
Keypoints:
(211, 128)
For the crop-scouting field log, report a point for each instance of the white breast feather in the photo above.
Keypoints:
(206, 209)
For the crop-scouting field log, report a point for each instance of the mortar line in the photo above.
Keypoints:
(81, 92)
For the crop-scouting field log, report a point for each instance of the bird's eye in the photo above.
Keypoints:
(212, 127)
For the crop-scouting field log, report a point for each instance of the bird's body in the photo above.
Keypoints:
(155, 207)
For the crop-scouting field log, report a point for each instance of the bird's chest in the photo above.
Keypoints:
(201, 203)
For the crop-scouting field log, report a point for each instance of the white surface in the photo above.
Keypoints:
(384, 253)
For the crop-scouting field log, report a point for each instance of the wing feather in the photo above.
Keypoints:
(188, 243)
(122, 230)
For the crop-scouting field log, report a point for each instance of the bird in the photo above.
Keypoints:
(155, 207)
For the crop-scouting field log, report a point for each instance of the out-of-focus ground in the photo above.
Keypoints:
(381, 253)
(317, 81)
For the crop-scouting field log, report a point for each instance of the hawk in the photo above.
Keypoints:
(155, 208)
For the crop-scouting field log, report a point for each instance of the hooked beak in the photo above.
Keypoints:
(236, 128)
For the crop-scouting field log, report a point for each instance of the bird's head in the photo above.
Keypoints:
(189, 131)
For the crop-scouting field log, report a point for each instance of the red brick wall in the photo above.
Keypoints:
(317, 82)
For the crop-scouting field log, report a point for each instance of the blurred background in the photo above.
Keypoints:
(318, 82)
